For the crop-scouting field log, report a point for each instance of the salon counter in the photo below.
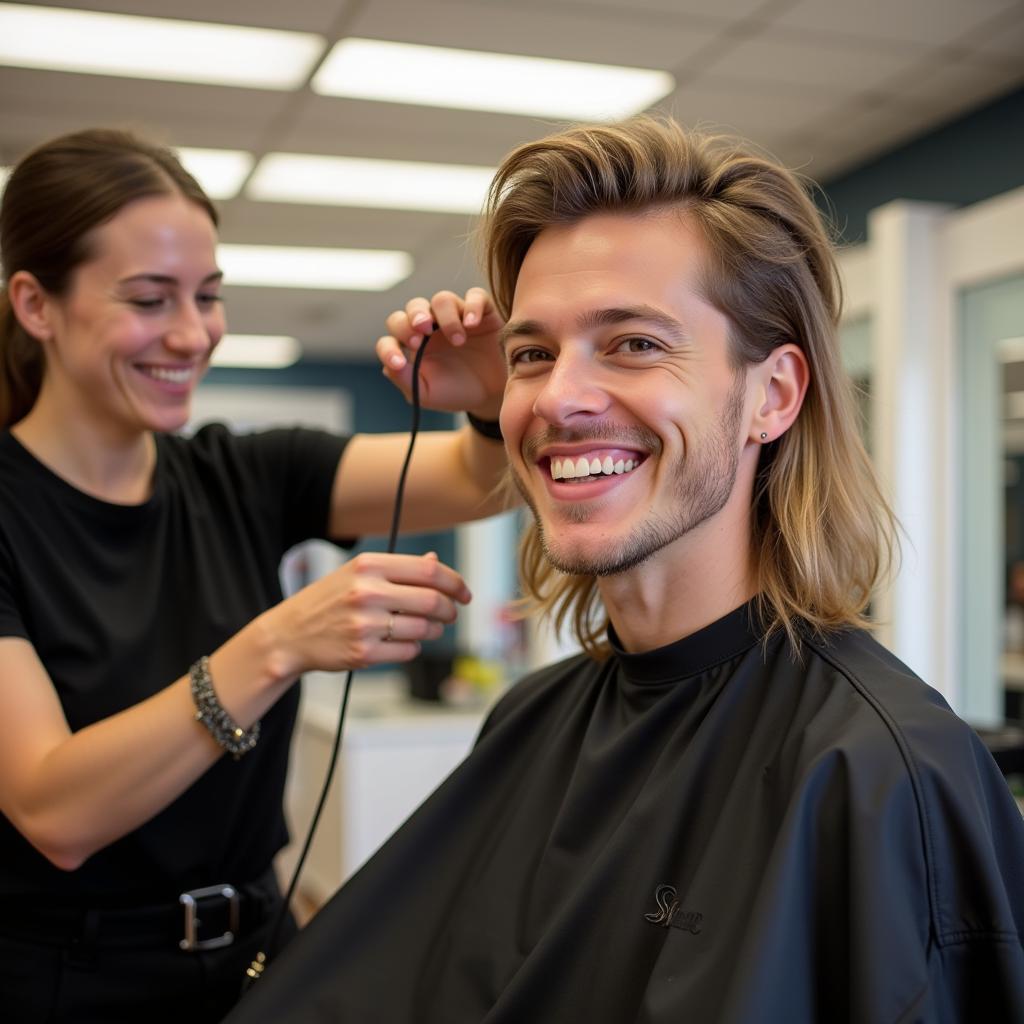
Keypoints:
(394, 753)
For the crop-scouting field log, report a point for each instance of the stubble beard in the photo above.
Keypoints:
(704, 483)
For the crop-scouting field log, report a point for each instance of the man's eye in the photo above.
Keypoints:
(209, 299)
(637, 345)
(528, 355)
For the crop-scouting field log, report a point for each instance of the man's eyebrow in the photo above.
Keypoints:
(168, 279)
(623, 314)
(609, 317)
(520, 329)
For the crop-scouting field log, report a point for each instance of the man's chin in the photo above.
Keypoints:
(580, 560)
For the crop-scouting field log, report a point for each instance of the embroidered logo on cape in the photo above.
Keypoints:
(670, 913)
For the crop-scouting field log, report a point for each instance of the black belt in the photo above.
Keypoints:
(204, 918)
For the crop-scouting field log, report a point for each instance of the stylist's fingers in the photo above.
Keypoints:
(400, 628)
(476, 306)
(410, 325)
(447, 308)
(413, 323)
(425, 571)
(389, 352)
(424, 602)
(420, 316)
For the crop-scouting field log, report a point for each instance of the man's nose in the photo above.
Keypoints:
(572, 388)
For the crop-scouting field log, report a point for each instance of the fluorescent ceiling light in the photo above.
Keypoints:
(261, 351)
(472, 80)
(278, 266)
(220, 171)
(178, 51)
(384, 184)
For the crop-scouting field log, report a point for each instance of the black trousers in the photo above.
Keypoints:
(98, 973)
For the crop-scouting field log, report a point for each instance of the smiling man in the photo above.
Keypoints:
(734, 807)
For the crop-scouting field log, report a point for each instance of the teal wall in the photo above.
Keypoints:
(978, 155)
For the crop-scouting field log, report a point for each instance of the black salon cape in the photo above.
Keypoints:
(707, 833)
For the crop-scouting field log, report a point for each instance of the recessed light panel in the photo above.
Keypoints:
(90, 42)
(259, 351)
(436, 76)
(220, 171)
(277, 266)
(384, 184)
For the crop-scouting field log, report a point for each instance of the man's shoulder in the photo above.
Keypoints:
(855, 711)
(546, 687)
(883, 690)
(969, 824)
(884, 720)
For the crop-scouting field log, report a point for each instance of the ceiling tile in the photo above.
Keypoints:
(753, 110)
(813, 63)
(35, 105)
(711, 11)
(866, 130)
(924, 22)
(542, 32)
(1001, 38)
(817, 156)
(947, 87)
(342, 127)
(249, 222)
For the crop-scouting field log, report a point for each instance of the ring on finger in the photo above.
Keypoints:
(390, 634)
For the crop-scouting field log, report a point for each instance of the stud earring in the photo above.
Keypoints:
(764, 436)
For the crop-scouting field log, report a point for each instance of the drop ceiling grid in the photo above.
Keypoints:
(824, 85)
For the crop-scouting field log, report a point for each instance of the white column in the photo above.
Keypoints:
(913, 433)
(486, 557)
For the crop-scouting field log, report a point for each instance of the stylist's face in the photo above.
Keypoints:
(133, 335)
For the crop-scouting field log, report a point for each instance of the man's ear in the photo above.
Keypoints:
(784, 377)
(32, 304)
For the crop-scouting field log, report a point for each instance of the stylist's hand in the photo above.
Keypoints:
(463, 369)
(376, 608)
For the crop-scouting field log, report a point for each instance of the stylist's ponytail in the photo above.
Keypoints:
(53, 200)
(21, 367)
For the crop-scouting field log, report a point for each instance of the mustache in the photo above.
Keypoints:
(610, 435)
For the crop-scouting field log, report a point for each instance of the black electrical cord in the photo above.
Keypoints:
(258, 965)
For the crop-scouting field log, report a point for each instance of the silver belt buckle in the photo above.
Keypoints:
(191, 943)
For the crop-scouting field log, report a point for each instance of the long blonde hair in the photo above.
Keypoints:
(823, 534)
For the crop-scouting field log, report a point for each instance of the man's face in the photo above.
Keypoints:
(623, 418)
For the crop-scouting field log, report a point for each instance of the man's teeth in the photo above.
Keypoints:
(573, 469)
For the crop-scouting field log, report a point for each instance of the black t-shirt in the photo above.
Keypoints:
(707, 832)
(119, 600)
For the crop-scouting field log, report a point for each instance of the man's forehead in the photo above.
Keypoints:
(610, 268)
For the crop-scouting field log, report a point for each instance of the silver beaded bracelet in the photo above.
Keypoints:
(209, 710)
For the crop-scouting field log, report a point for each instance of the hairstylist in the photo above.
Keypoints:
(147, 659)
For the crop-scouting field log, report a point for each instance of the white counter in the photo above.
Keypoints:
(394, 753)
